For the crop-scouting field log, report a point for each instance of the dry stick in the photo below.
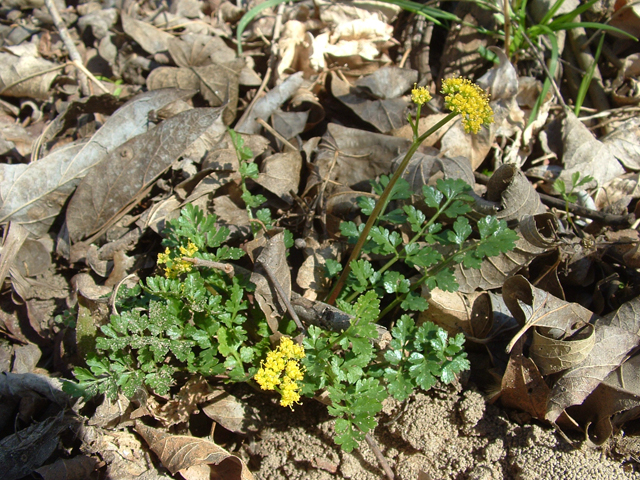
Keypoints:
(378, 453)
(199, 262)
(285, 299)
(68, 43)
(607, 218)
(273, 132)
(78, 64)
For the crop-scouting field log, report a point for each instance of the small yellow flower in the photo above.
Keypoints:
(281, 372)
(176, 266)
(470, 101)
(420, 95)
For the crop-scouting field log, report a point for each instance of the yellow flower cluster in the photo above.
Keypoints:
(177, 266)
(281, 371)
(420, 95)
(469, 100)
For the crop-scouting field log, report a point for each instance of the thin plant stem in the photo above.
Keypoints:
(382, 202)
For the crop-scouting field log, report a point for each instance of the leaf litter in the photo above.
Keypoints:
(320, 95)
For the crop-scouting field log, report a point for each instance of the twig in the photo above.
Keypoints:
(606, 218)
(379, 456)
(78, 64)
(114, 294)
(285, 299)
(68, 43)
(273, 132)
(199, 262)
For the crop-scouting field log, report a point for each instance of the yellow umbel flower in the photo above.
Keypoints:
(470, 101)
(420, 95)
(176, 266)
(281, 371)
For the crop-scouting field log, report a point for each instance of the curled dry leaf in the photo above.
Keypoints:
(515, 193)
(34, 194)
(132, 168)
(232, 414)
(181, 453)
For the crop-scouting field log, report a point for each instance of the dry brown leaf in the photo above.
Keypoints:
(232, 414)
(523, 387)
(131, 168)
(385, 115)
(281, 174)
(569, 324)
(273, 255)
(585, 154)
(623, 143)
(180, 453)
(34, 194)
(151, 39)
(79, 467)
(22, 71)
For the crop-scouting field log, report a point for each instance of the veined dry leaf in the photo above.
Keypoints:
(281, 174)
(23, 71)
(428, 165)
(509, 186)
(34, 194)
(623, 143)
(349, 156)
(459, 312)
(585, 154)
(523, 387)
(131, 168)
(181, 453)
(385, 115)
(569, 324)
(218, 83)
(231, 413)
(151, 39)
(273, 256)
(79, 467)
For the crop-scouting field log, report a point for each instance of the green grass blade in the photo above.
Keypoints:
(568, 17)
(430, 13)
(552, 11)
(586, 81)
(594, 25)
(553, 65)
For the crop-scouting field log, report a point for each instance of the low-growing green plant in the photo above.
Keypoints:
(569, 194)
(198, 318)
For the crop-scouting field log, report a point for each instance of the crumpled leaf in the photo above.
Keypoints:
(515, 193)
(273, 255)
(563, 333)
(185, 454)
(17, 67)
(27, 449)
(348, 156)
(384, 114)
(131, 168)
(623, 143)
(151, 39)
(281, 174)
(79, 467)
(218, 83)
(232, 414)
(585, 154)
(34, 194)
(268, 104)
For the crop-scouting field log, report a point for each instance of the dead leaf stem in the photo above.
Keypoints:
(379, 456)
(199, 262)
(285, 299)
(68, 43)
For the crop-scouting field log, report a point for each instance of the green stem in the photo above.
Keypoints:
(355, 253)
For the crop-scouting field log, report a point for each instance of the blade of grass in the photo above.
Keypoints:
(586, 81)
(552, 11)
(553, 64)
